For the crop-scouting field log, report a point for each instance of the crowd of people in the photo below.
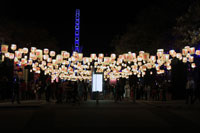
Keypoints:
(37, 89)
(77, 91)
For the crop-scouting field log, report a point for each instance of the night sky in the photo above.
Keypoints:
(100, 22)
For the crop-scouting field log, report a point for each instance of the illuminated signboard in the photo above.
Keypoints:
(97, 82)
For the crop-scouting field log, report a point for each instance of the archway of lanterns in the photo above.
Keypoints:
(77, 67)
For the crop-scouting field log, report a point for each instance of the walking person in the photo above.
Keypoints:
(127, 90)
(85, 91)
(196, 93)
(15, 89)
(80, 89)
(133, 93)
(59, 92)
(48, 89)
(189, 88)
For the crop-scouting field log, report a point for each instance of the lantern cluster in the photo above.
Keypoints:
(77, 67)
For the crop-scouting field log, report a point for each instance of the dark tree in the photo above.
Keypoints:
(187, 29)
(151, 29)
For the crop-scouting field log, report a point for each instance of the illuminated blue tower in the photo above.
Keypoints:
(77, 47)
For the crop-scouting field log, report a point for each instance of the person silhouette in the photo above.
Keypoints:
(15, 88)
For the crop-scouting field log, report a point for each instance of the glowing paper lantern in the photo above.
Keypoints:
(160, 53)
(30, 62)
(18, 54)
(139, 63)
(179, 56)
(184, 59)
(80, 57)
(145, 56)
(52, 53)
(193, 65)
(131, 56)
(191, 59)
(113, 56)
(141, 53)
(121, 57)
(49, 65)
(75, 54)
(192, 50)
(139, 58)
(33, 49)
(172, 53)
(165, 57)
(23, 61)
(149, 66)
(93, 56)
(101, 55)
(44, 63)
(100, 60)
(59, 59)
(25, 50)
(4, 48)
(119, 61)
(169, 67)
(153, 58)
(197, 52)
(46, 51)
(13, 47)
(85, 60)
(125, 57)
(38, 54)
(16, 60)
(187, 47)
(106, 60)
(66, 55)
(7, 55)
(45, 57)
(54, 62)
(184, 52)
(11, 56)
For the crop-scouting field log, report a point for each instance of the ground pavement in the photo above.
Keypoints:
(32, 116)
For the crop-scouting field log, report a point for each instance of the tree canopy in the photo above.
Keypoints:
(153, 28)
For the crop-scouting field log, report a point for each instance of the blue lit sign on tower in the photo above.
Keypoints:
(76, 47)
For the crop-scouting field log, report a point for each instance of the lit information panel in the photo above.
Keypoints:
(97, 82)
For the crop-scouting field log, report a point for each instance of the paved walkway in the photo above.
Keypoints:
(32, 116)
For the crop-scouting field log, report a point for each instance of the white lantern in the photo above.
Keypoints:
(46, 51)
(30, 62)
(18, 54)
(66, 55)
(49, 59)
(11, 56)
(4, 48)
(192, 50)
(25, 50)
(191, 59)
(184, 52)
(113, 56)
(172, 53)
(45, 57)
(52, 53)
(59, 58)
(80, 57)
(33, 49)
(193, 65)
(13, 47)
(179, 56)
(101, 55)
(197, 52)
(184, 59)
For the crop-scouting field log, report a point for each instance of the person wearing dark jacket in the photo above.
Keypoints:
(15, 89)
